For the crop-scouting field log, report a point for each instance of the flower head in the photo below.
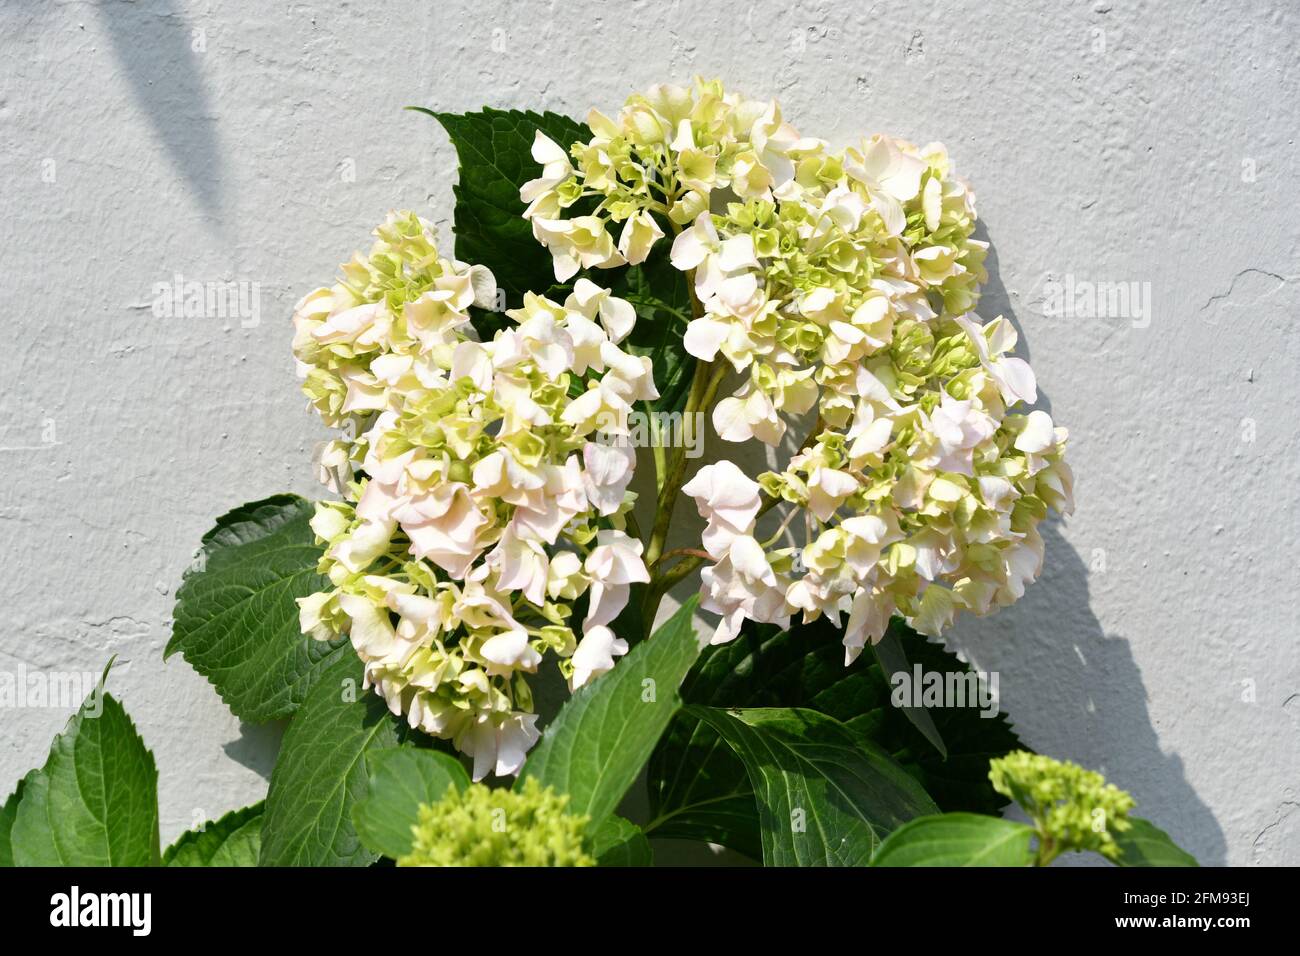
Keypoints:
(839, 283)
(1072, 808)
(480, 826)
(485, 488)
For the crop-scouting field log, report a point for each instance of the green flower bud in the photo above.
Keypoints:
(1072, 809)
(481, 826)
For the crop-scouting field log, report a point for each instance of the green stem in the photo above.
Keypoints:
(684, 552)
(681, 570)
(776, 535)
(661, 584)
(676, 466)
(632, 525)
(711, 389)
(1047, 849)
(657, 449)
(671, 469)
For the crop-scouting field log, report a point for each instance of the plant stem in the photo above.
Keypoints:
(677, 464)
(684, 552)
(1047, 850)
(661, 584)
(670, 470)
(657, 449)
(632, 525)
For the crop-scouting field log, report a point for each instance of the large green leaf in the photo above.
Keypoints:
(598, 743)
(233, 840)
(95, 802)
(321, 772)
(400, 781)
(619, 842)
(972, 735)
(236, 620)
(958, 839)
(825, 796)
(697, 789)
(8, 812)
(1145, 844)
(494, 148)
(700, 790)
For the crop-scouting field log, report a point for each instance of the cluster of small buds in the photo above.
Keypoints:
(482, 826)
(485, 487)
(1073, 809)
(841, 282)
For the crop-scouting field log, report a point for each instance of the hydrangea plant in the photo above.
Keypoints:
(486, 482)
(480, 545)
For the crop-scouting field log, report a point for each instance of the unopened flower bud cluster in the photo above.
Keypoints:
(1072, 808)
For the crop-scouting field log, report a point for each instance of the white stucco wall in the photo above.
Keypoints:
(259, 142)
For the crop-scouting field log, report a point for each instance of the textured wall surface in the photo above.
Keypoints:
(258, 142)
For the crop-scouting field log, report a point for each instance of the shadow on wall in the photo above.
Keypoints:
(160, 53)
(1073, 691)
(256, 746)
(995, 300)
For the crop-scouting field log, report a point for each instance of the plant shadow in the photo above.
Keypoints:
(1072, 690)
(160, 55)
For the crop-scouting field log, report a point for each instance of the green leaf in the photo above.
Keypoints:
(631, 623)
(321, 772)
(958, 839)
(597, 744)
(95, 802)
(1145, 844)
(619, 842)
(236, 620)
(233, 840)
(400, 781)
(893, 660)
(825, 796)
(698, 791)
(8, 813)
(494, 148)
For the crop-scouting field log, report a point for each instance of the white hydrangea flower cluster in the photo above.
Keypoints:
(666, 155)
(486, 488)
(840, 281)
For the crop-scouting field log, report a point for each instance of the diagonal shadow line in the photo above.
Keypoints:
(1054, 646)
(995, 300)
(154, 47)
